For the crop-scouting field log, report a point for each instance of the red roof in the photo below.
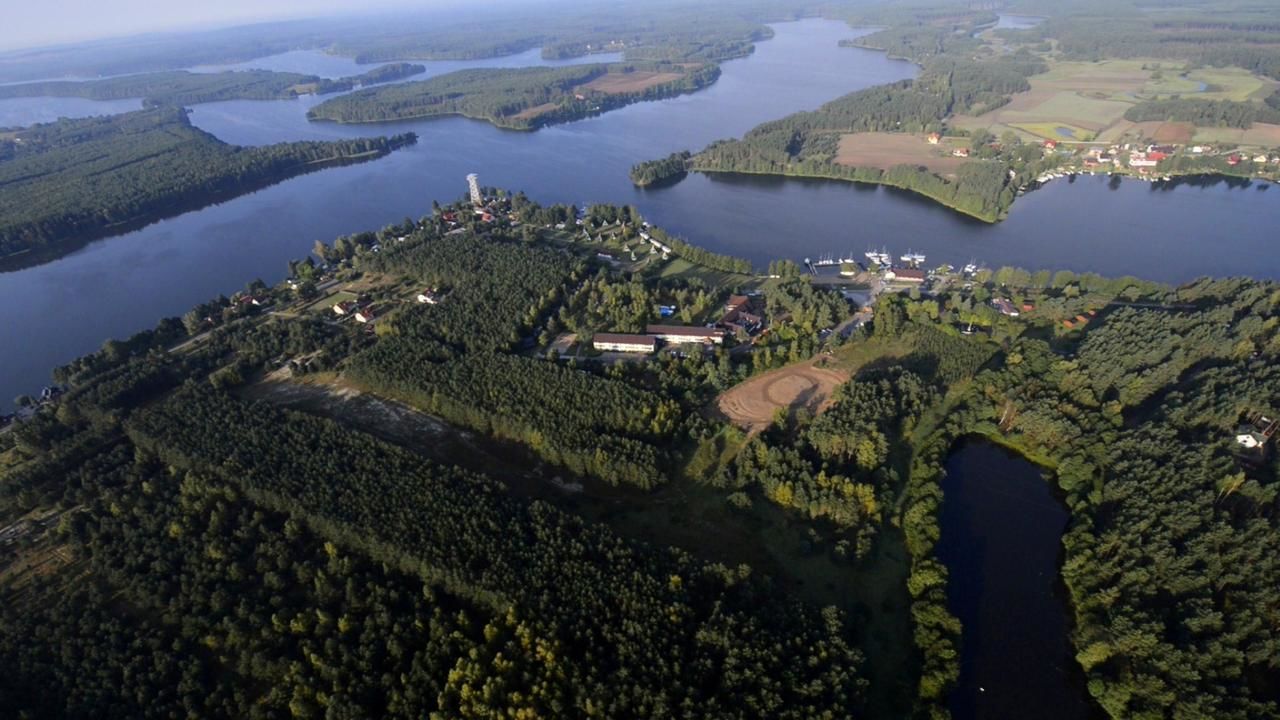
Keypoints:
(910, 273)
(1051, 144)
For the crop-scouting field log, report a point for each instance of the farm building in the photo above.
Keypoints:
(612, 342)
(345, 307)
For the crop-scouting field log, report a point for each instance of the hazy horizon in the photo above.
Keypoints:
(61, 22)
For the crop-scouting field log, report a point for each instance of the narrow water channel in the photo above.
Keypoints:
(1001, 541)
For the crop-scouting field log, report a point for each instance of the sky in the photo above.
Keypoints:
(28, 23)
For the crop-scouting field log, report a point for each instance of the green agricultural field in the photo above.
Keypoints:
(1052, 131)
(1070, 108)
(325, 303)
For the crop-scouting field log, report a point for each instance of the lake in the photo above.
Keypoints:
(117, 286)
(1001, 543)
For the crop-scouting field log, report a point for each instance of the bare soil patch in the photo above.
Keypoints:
(885, 150)
(535, 111)
(751, 404)
(638, 81)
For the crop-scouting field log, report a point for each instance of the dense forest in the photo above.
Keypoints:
(520, 98)
(656, 171)
(1172, 539)
(1204, 113)
(181, 87)
(86, 178)
(1216, 33)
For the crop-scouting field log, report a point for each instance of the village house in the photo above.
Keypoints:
(1258, 433)
(1005, 306)
(1141, 160)
(960, 152)
(428, 297)
(616, 342)
(1050, 144)
(738, 317)
(366, 315)
(934, 138)
(686, 334)
(346, 307)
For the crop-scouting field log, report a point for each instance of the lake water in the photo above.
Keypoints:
(1001, 542)
(117, 286)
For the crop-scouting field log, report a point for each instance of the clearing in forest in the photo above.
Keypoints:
(535, 111)
(751, 404)
(885, 150)
(632, 82)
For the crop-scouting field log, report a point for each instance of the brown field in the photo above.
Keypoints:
(884, 150)
(804, 385)
(638, 81)
(535, 111)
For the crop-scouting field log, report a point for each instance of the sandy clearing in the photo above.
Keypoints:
(535, 111)
(751, 404)
(638, 81)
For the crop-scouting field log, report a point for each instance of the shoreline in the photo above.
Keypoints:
(49, 252)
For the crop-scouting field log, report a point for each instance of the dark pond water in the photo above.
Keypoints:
(1001, 542)
(117, 286)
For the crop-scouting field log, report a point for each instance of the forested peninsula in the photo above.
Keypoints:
(71, 181)
(180, 87)
(521, 98)
(568, 518)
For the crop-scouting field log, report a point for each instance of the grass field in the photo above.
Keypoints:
(637, 81)
(678, 267)
(885, 150)
(325, 304)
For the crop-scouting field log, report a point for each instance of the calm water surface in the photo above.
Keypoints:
(1001, 542)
